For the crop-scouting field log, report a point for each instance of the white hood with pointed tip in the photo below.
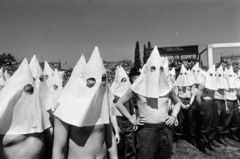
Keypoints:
(211, 80)
(21, 113)
(153, 83)
(84, 106)
(184, 78)
(119, 87)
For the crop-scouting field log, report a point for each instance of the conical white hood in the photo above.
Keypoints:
(21, 113)
(172, 75)
(238, 79)
(56, 88)
(184, 78)
(84, 106)
(6, 74)
(121, 83)
(94, 68)
(75, 76)
(197, 74)
(35, 67)
(35, 70)
(153, 82)
(230, 78)
(221, 81)
(211, 81)
(48, 73)
(61, 73)
(2, 78)
(142, 69)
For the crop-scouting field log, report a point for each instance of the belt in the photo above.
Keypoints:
(185, 98)
(161, 125)
(231, 100)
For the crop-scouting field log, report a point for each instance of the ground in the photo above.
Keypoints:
(188, 151)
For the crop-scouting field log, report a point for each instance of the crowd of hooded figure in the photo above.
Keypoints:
(137, 116)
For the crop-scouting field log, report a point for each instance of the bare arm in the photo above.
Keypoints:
(48, 143)
(113, 119)
(120, 106)
(131, 108)
(170, 120)
(199, 92)
(193, 95)
(60, 138)
(238, 94)
(176, 101)
(110, 142)
(226, 105)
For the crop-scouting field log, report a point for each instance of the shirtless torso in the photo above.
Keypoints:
(91, 144)
(231, 94)
(153, 110)
(185, 92)
(85, 142)
(219, 94)
(30, 146)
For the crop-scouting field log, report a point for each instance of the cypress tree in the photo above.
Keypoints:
(144, 54)
(137, 60)
(149, 45)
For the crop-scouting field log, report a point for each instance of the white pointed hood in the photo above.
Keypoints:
(115, 77)
(172, 75)
(221, 81)
(153, 82)
(184, 78)
(121, 83)
(197, 74)
(35, 67)
(56, 88)
(6, 75)
(210, 82)
(61, 73)
(48, 72)
(2, 78)
(84, 106)
(21, 113)
(238, 79)
(230, 77)
(142, 69)
(75, 76)
(45, 95)
(36, 70)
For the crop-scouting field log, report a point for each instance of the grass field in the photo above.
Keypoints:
(188, 151)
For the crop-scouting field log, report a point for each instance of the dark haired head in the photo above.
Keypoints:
(134, 72)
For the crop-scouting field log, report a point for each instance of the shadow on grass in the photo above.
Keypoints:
(188, 151)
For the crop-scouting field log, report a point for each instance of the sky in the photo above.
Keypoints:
(62, 30)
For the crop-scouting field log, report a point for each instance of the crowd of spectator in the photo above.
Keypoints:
(12, 65)
(231, 61)
(188, 63)
(111, 67)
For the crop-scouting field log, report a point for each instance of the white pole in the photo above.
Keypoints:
(210, 55)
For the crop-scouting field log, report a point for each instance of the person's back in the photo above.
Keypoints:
(21, 146)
